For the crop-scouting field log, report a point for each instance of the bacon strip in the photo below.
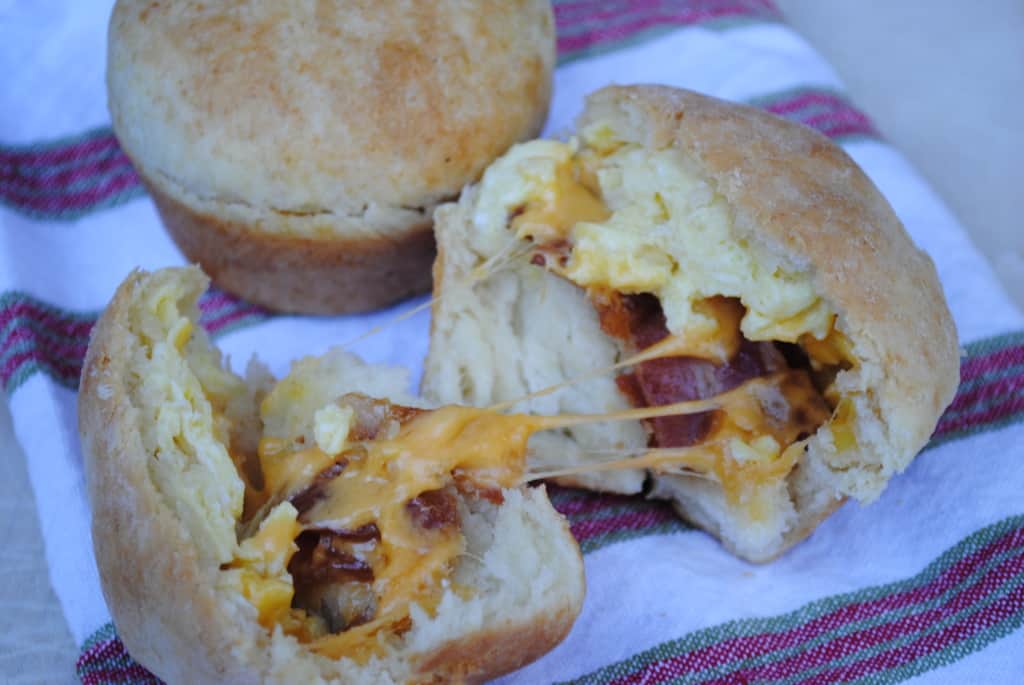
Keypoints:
(640, 322)
(434, 509)
(325, 556)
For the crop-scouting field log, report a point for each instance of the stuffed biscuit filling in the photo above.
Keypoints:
(350, 527)
(649, 240)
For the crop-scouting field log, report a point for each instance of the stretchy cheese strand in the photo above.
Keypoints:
(694, 459)
(500, 260)
(669, 347)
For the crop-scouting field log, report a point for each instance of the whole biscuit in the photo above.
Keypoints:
(297, 150)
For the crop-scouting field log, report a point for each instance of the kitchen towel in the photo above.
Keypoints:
(928, 582)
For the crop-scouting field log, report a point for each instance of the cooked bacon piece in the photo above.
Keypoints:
(331, 581)
(616, 312)
(304, 499)
(646, 320)
(326, 556)
(640, 322)
(434, 509)
(375, 417)
(678, 379)
(630, 387)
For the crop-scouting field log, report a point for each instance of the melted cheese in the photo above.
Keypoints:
(487, 450)
(718, 340)
(758, 449)
(285, 471)
(842, 426)
(381, 479)
(475, 445)
(260, 566)
(835, 349)
(542, 187)
(749, 448)
(550, 214)
(744, 451)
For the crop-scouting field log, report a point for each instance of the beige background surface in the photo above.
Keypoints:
(944, 81)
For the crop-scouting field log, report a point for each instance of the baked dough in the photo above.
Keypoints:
(162, 421)
(297, 150)
(702, 199)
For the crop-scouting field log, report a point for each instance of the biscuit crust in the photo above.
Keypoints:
(335, 122)
(295, 272)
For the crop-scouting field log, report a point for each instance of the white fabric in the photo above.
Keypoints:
(640, 593)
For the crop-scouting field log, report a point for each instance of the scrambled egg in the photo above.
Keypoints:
(331, 426)
(664, 230)
(181, 394)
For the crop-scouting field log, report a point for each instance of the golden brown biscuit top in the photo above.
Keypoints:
(312, 107)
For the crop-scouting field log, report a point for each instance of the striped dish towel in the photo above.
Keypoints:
(927, 583)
